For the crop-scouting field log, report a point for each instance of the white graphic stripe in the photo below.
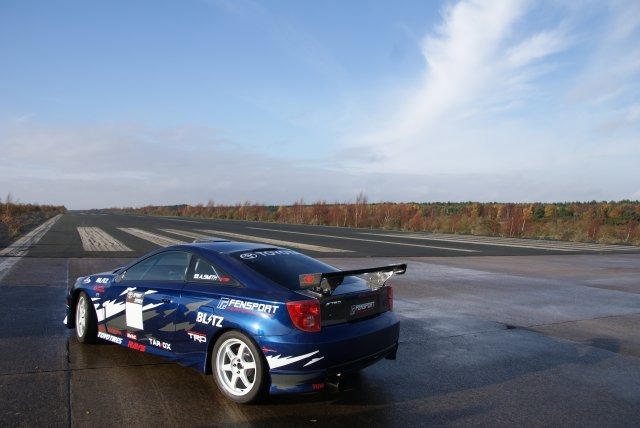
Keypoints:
(280, 361)
(160, 240)
(96, 239)
(19, 248)
(308, 247)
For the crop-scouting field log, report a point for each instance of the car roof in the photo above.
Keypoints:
(223, 246)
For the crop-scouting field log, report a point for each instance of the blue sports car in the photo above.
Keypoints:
(259, 318)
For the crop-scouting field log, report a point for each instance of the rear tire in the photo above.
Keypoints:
(238, 368)
(86, 320)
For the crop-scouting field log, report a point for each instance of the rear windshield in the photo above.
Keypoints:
(283, 266)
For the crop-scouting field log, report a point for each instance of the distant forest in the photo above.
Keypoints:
(602, 222)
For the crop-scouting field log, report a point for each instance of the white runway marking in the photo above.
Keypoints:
(278, 242)
(96, 239)
(514, 242)
(13, 253)
(464, 250)
(189, 234)
(160, 240)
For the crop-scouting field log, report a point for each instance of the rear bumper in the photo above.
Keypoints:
(305, 362)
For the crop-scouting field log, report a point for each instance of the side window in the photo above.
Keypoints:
(204, 271)
(167, 266)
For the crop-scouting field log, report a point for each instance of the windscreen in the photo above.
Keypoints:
(283, 266)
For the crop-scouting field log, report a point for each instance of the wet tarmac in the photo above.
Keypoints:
(488, 341)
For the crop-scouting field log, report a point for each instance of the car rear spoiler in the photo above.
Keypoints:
(326, 283)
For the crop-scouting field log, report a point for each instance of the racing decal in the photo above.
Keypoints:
(207, 277)
(171, 327)
(194, 306)
(114, 331)
(362, 307)
(132, 306)
(132, 336)
(110, 308)
(209, 319)
(110, 337)
(99, 280)
(137, 346)
(197, 337)
(134, 309)
(313, 360)
(256, 254)
(245, 306)
(280, 361)
(98, 288)
(159, 344)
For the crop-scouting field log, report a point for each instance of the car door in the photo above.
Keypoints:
(198, 316)
(141, 305)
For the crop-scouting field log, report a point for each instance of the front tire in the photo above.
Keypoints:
(238, 367)
(86, 320)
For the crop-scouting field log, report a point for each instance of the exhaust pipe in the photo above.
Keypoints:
(336, 383)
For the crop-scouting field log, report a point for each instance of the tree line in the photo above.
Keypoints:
(602, 222)
(15, 217)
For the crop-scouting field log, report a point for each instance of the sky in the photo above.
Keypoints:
(151, 102)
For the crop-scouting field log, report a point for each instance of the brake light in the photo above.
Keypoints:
(389, 297)
(305, 314)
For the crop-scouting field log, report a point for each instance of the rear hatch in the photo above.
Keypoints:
(354, 306)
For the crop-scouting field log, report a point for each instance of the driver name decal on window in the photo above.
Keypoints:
(206, 277)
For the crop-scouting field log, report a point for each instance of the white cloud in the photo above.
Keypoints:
(473, 67)
(492, 102)
(538, 46)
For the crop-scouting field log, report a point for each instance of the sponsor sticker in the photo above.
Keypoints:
(133, 309)
(137, 346)
(246, 306)
(110, 337)
(159, 344)
(209, 319)
(205, 277)
(362, 307)
(256, 254)
(197, 337)
(114, 331)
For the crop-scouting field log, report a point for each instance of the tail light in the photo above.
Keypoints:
(389, 297)
(305, 314)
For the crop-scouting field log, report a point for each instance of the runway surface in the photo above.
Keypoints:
(494, 332)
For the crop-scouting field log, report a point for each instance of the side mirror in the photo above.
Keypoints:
(119, 277)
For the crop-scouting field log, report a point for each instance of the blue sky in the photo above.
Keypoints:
(129, 103)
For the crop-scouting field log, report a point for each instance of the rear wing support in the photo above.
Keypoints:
(327, 282)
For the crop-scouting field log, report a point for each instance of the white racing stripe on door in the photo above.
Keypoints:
(96, 239)
(160, 240)
(291, 244)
